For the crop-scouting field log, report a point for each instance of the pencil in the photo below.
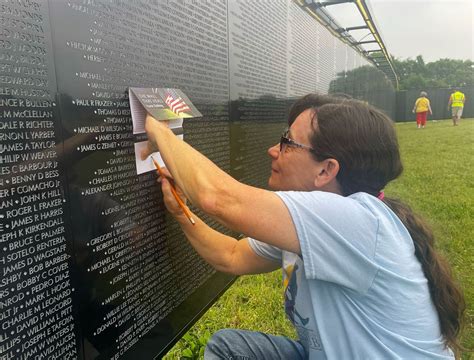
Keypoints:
(175, 194)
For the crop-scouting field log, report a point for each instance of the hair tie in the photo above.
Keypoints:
(381, 195)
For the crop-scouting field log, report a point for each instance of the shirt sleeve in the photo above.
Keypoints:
(265, 250)
(337, 235)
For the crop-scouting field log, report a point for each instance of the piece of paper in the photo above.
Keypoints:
(138, 113)
(161, 103)
(147, 165)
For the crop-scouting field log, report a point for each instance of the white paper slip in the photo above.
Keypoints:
(147, 165)
(176, 123)
(138, 113)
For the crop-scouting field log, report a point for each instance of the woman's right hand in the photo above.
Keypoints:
(170, 202)
(152, 127)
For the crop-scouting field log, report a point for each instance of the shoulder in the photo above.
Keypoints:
(321, 198)
(326, 199)
(357, 213)
(320, 207)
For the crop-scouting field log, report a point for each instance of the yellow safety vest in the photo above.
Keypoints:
(457, 99)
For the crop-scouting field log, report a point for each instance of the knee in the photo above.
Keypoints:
(219, 344)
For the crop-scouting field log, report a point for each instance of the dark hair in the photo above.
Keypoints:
(363, 140)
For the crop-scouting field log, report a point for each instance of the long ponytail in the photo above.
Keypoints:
(446, 295)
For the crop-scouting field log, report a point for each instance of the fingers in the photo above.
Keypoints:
(149, 118)
(165, 172)
(166, 188)
(170, 201)
(167, 183)
(150, 149)
(152, 124)
(152, 127)
(168, 198)
(146, 152)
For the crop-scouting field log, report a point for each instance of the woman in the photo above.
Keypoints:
(422, 107)
(362, 276)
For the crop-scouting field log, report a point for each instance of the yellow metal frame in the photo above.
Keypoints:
(364, 12)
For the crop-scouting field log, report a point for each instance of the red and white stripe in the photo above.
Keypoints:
(176, 105)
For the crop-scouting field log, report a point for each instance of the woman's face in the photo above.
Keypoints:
(294, 168)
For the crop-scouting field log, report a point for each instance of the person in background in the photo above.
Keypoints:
(456, 102)
(422, 107)
(361, 274)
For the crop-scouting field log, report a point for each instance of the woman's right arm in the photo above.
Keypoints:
(223, 252)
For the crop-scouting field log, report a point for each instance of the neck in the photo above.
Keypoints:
(332, 187)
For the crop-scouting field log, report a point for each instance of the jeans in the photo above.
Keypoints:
(231, 344)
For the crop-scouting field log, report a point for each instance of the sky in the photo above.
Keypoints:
(435, 29)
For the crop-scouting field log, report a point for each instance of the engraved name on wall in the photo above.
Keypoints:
(36, 306)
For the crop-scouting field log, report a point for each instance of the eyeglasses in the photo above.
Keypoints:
(286, 141)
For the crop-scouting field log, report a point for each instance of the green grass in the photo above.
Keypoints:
(437, 183)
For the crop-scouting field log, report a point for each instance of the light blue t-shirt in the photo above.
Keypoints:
(358, 291)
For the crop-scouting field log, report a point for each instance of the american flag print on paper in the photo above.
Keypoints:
(176, 103)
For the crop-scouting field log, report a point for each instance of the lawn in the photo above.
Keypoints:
(437, 183)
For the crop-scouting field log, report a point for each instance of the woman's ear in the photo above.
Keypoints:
(326, 176)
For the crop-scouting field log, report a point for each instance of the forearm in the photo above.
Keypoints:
(215, 248)
(201, 181)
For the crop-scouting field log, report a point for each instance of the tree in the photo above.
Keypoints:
(369, 83)
(361, 82)
(415, 74)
